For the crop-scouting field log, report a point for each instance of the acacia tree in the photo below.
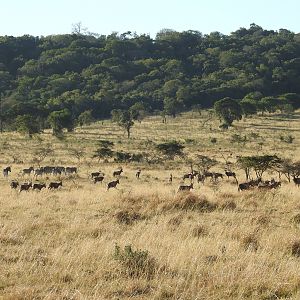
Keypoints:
(124, 119)
(228, 110)
(170, 149)
(259, 164)
(59, 120)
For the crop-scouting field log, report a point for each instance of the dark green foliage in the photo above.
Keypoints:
(175, 71)
(170, 149)
(59, 120)
(259, 164)
(85, 118)
(104, 151)
(27, 124)
(228, 110)
(124, 119)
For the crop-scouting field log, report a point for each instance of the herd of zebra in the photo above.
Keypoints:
(98, 176)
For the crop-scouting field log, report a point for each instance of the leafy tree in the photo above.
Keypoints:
(259, 164)
(228, 110)
(124, 119)
(85, 118)
(104, 150)
(27, 124)
(59, 120)
(171, 149)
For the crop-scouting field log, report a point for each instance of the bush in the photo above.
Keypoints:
(193, 202)
(135, 263)
(295, 248)
(213, 140)
(199, 231)
(228, 205)
(250, 242)
(296, 219)
(127, 217)
(287, 139)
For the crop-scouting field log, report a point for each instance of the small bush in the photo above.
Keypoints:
(199, 231)
(228, 205)
(213, 140)
(135, 263)
(127, 217)
(287, 139)
(250, 242)
(296, 219)
(193, 202)
(295, 248)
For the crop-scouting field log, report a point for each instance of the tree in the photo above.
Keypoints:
(228, 110)
(170, 149)
(41, 153)
(124, 119)
(104, 151)
(204, 163)
(259, 164)
(59, 120)
(27, 124)
(172, 106)
(85, 118)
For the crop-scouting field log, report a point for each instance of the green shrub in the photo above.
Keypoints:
(135, 263)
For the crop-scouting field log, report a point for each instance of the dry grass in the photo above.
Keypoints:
(212, 243)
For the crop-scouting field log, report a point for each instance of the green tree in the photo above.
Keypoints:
(170, 149)
(85, 118)
(228, 110)
(59, 120)
(124, 119)
(27, 124)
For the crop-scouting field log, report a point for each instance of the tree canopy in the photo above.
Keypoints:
(90, 75)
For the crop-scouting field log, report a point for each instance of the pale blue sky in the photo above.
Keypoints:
(45, 17)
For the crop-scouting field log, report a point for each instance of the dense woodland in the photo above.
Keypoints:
(62, 81)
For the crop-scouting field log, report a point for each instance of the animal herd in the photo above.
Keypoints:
(98, 177)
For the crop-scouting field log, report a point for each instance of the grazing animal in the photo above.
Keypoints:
(39, 172)
(54, 185)
(28, 171)
(95, 174)
(296, 181)
(71, 170)
(208, 174)
(6, 171)
(217, 175)
(98, 179)
(14, 184)
(117, 172)
(38, 186)
(25, 186)
(112, 184)
(138, 173)
(230, 174)
(244, 186)
(200, 178)
(185, 187)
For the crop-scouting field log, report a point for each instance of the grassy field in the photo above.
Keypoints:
(144, 240)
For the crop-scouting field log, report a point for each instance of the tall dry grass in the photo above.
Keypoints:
(212, 243)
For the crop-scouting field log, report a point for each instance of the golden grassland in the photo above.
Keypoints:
(212, 243)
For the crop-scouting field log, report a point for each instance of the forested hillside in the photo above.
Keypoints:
(77, 77)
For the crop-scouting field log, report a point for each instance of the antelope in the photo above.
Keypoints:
(38, 186)
(98, 179)
(112, 184)
(117, 172)
(185, 187)
(25, 186)
(54, 185)
(14, 184)
(6, 171)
